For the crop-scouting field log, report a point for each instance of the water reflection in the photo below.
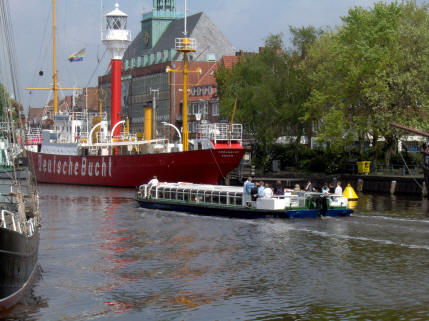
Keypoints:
(103, 257)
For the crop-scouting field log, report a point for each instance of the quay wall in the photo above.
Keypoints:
(408, 185)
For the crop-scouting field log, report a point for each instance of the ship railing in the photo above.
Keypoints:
(117, 34)
(220, 132)
(10, 221)
(31, 226)
(107, 143)
(13, 221)
(33, 132)
(185, 44)
(77, 115)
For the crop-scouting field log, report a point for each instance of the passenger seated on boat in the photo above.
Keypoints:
(278, 189)
(309, 187)
(297, 188)
(261, 189)
(325, 188)
(268, 192)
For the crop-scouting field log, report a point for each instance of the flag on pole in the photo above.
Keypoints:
(77, 56)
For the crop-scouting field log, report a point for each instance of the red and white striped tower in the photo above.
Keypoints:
(116, 38)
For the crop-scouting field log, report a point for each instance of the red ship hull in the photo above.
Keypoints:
(208, 166)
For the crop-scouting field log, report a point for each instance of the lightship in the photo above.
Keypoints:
(73, 152)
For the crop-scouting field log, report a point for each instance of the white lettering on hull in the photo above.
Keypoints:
(81, 167)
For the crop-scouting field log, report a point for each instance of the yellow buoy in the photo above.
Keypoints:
(350, 193)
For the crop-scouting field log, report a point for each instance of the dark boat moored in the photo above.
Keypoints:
(217, 200)
(19, 243)
(18, 257)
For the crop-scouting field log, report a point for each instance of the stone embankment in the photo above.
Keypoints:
(411, 185)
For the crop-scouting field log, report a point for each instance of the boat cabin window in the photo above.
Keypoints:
(223, 198)
(215, 197)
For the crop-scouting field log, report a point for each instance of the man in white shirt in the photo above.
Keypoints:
(268, 192)
(338, 189)
(153, 182)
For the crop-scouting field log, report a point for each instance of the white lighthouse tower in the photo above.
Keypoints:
(116, 38)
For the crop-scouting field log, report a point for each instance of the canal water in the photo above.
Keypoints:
(103, 258)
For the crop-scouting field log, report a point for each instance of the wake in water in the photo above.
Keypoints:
(394, 235)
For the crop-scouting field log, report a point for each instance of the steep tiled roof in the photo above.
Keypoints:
(229, 61)
(208, 77)
(208, 37)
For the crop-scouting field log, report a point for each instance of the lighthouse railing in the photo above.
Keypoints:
(116, 35)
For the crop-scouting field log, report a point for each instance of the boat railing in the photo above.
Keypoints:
(10, 216)
(33, 133)
(220, 132)
(9, 220)
(333, 200)
(197, 193)
(77, 115)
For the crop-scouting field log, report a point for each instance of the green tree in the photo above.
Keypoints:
(370, 72)
(270, 88)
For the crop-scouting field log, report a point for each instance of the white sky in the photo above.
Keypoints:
(246, 23)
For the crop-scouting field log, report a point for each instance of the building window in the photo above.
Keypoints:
(210, 90)
(215, 109)
(199, 91)
(205, 91)
(206, 108)
(314, 127)
(194, 109)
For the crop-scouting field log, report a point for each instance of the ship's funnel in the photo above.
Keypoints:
(148, 122)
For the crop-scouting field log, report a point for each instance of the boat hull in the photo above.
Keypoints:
(235, 211)
(208, 166)
(18, 257)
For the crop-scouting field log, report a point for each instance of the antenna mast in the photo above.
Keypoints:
(186, 9)
(185, 45)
